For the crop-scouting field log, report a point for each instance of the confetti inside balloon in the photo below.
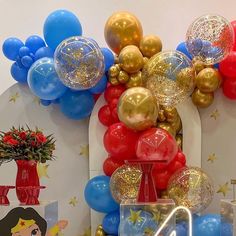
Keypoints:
(169, 76)
(124, 183)
(79, 63)
(191, 187)
(211, 38)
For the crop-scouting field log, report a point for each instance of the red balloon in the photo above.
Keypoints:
(233, 23)
(114, 115)
(104, 116)
(113, 92)
(161, 179)
(113, 103)
(180, 157)
(96, 96)
(120, 141)
(111, 164)
(174, 166)
(227, 67)
(156, 144)
(229, 88)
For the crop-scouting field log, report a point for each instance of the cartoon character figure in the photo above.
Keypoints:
(27, 222)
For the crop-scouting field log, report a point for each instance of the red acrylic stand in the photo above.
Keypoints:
(3, 194)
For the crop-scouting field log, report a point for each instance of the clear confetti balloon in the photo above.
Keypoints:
(79, 63)
(191, 187)
(170, 76)
(210, 37)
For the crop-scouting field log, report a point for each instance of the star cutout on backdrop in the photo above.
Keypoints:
(148, 231)
(135, 216)
(84, 150)
(87, 232)
(212, 157)
(42, 170)
(36, 100)
(224, 189)
(14, 97)
(73, 201)
(215, 114)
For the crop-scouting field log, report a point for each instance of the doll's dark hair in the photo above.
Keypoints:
(13, 216)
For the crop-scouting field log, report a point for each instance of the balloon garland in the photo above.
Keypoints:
(145, 85)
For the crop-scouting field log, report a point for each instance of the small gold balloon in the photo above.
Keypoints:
(114, 71)
(123, 77)
(179, 140)
(186, 78)
(138, 109)
(177, 124)
(166, 126)
(145, 60)
(208, 80)
(135, 80)
(114, 81)
(100, 231)
(122, 29)
(201, 99)
(124, 182)
(161, 115)
(171, 114)
(131, 59)
(150, 45)
(198, 66)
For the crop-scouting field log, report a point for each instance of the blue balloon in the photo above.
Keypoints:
(11, 47)
(27, 61)
(24, 51)
(217, 66)
(111, 223)
(60, 25)
(108, 58)
(98, 195)
(182, 48)
(43, 52)
(19, 73)
(43, 80)
(207, 225)
(34, 42)
(100, 86)
(45, 102)
(56, 101)
(226, 229)
(180, 230)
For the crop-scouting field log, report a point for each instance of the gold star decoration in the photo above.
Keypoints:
(148, 231)
(42, 170)
(14, 97)
(224, 189)
(84, 150)
(87, 232)
(212, 157)
(215, 114)
(36, 100)
(156, 216)
(135, 216)
(73, 201)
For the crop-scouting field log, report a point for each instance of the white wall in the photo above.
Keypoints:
(166, 18)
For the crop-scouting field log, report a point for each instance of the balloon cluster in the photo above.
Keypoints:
(64, 67)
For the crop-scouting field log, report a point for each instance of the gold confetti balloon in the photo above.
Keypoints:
(138, 109)
(211, 38)
(124, 182)
(208, 80)
(122, 29)
(79, 62)
(150, 45)
(191, 187)
(202, 100)
(131, 59)
(161, 75)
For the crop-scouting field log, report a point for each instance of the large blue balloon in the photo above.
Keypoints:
(100, 86)
(34, 42)
(98, 195)
(11, 47)
(111, 223)
(60, 25)
(43, 52)
(180, 230)
(207, 225)
(108, 58)
(43, 80)
(182, 48)
(19, 73)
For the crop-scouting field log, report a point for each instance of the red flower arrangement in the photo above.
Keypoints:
(26, 144)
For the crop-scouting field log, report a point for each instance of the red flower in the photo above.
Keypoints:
(12, 142)
(33, 144)
(22, 135)
(41, 139)
(6, 138)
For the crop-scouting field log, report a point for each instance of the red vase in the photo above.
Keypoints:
(27, 176)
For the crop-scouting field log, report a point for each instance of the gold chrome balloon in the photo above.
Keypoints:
(201, 99)
(179, 140)
(161, 115)
(166, 126)
(131, 59)
(145, 60)
(114, 71)
(208, 80)
(100, 231)
(177, 124)
(138, 109)
(114, 81)
(135, 80)
(198, 65)
(171, 114)
(124, 182)
(122, 29)
(123, 77)
(150, 45)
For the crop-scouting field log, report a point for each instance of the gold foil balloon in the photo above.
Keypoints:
(161, 115)
(160, 75)
(191, 187)
(208, 80)
(150, 45)
(135, 80)
(171, 114)
(179, 140)
(122, 29)
(123, 77)
(137, 108)
(177, 124)
(166, 126)
(198, 65)
(114, 71)
(100, 231)
(131, 59)
(124, 182)
(114, 81)
(201, 99)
